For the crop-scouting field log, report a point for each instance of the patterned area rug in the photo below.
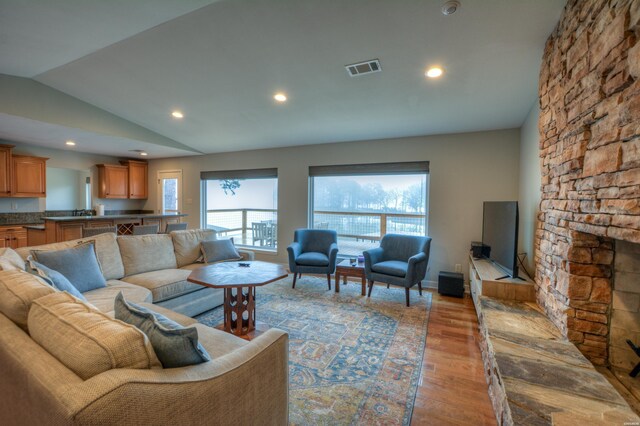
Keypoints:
(352, 360)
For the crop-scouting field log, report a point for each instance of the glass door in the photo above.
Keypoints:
(170, 191)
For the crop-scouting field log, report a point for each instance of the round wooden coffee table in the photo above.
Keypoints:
(239, 283)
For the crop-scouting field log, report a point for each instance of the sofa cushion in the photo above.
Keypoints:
(106, 247)
(193, 266)
(186, 244)
(183, 320)
(144, 253)
(165, 284)
(78, 264)
(217, 342)
(175, 345)
(397, 268)
(18, 290)
(86, 340)
(10, 257)
(56, 279)
(219, 251)
(312, 258)
(103, 298)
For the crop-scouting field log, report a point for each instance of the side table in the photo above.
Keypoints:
(345, 269)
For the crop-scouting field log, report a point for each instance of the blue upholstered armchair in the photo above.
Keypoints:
(313, 251)
(400, 260)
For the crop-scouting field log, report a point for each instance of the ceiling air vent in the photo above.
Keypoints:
(362, 68)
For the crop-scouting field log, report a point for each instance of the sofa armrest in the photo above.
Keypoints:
(249, 383)
(247, 255)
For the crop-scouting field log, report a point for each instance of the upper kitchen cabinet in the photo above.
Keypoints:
(138, 178)
(28, 176)
(113, 181)
(5, 170)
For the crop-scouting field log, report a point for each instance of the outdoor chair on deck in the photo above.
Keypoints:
(313, 251)
(400, 260)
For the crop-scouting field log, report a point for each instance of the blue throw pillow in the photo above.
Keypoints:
(219, 251)
(56, 279)
(175, 345)
(78, 264)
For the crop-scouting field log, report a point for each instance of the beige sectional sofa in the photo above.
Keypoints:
(244, 383)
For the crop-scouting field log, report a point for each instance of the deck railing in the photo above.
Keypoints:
(361, 226)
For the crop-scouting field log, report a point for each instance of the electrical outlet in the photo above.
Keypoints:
(189, 201)
(458, 267)
(14, 205)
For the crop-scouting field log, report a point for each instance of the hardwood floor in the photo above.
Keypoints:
(452, 389)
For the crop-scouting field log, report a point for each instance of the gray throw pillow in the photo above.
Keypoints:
(219, 251)
(175, 345)
(78, 264)
(55, 278)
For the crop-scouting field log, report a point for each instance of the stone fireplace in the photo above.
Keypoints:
(589, 216)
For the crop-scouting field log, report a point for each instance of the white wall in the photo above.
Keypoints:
(465, 170)
(65, 159)
(530, 180)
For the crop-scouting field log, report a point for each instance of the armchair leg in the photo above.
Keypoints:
(387, 285)
(420, 287)
(370, 287)
(300, 275)
(329, 281)
(295, 275)
(406, 292)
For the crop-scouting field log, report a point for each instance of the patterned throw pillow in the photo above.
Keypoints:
(78, 264)
(219, 251)
(175, 345)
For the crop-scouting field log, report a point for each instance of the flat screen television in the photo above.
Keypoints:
(500, 234)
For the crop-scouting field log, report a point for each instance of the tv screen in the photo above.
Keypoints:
(500, 234)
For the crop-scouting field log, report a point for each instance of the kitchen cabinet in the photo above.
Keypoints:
(13, 236)
(113, 181)
(138, 178)
(5, 170)
(29, 176)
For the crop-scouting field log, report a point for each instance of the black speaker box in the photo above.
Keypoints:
(451, 284)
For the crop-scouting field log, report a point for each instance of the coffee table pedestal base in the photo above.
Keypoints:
(240, 313)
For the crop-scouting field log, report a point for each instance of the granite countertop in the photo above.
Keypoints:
(112, 216)
(38, 227)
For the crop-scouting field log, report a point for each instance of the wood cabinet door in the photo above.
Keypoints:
(5, 239)
(113, 181)
(5, 171)
(69, 231)
(138, 180)
(19, 239)
(29, 176)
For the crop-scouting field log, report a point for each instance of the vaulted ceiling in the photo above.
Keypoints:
(220, 62)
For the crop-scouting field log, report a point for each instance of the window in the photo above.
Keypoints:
(170, 188)
(242, 205)
(362, 203)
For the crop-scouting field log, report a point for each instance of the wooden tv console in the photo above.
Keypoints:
(483, 281)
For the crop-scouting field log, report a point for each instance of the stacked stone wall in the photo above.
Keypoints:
(589, 128)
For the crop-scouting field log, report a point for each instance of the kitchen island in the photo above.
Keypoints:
(65, 228)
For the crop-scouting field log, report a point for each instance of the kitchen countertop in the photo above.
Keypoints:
(112, 216)
(37, 227)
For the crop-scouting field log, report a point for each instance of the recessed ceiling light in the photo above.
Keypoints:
(434, 72)
(280, 97)
(177, 114)
(450, 7)
(70, 143)
(144, 154)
